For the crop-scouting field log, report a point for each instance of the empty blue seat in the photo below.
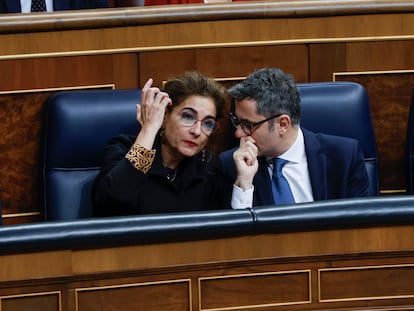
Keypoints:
(343, 109)
(77, 126)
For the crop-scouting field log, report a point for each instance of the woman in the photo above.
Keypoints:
(166, 167)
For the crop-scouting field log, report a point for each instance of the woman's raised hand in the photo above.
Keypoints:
(151, 111)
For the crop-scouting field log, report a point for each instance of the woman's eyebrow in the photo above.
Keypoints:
(196, 112)
(189, 108)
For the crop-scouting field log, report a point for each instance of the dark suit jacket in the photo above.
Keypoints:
(336, 169)
(13, 6)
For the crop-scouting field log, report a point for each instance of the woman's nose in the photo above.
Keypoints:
(196, 128)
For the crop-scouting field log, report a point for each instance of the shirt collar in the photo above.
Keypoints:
(296, 153)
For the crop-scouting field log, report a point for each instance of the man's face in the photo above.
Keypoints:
(265, 139)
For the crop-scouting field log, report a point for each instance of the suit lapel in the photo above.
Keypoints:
(316, 165)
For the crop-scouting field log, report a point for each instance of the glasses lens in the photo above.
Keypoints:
(246, 127)
(188, 118)
(209, 125)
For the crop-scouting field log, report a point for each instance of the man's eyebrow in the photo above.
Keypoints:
(245, 120)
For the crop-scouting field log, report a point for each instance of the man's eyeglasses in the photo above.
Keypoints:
(247, 126)
(189, 118)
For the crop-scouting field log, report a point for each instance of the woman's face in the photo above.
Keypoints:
(184, 140)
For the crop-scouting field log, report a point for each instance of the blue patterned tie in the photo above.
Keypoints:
(282, 194)
(38, 6)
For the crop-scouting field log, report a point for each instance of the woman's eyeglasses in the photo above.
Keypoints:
(247, 126)
(189, 118)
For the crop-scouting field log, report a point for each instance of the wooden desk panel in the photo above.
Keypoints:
(349, 269)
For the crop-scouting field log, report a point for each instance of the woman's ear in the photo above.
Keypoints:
(166, 114)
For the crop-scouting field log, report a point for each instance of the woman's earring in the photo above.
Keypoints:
(203, 156)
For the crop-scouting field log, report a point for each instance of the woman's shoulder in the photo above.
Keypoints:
(122, 139)
(119, 144)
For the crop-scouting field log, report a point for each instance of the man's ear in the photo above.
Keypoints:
(284, 122)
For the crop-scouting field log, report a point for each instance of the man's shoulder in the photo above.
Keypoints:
(328, 139)
(226, 154)
(226, 163)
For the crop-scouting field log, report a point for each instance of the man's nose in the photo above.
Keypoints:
(239, 133)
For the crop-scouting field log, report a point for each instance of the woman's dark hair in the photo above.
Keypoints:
(194, 83)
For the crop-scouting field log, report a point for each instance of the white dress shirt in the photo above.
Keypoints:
(27, 4)
(295, 171)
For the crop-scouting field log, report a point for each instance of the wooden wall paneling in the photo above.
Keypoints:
(228, 63)
(33, 301)
(21, 116)
(357, 283)
(286, 245)
(22, 96)
(368, 63)
(263, 23)
(69, 71)
(255, 290)
(327, 58)
(152, 296)
(346, 269)
(42, 265)
(125, 68)
(390, 94)
(20, 135)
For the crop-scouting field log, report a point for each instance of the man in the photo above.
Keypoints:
(24, 6)
(267, 121)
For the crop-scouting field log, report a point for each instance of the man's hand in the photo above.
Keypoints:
(245, 159)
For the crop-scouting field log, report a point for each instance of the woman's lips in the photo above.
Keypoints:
(190, 143)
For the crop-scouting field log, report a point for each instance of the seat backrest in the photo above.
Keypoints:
(343, 109)
(409, 146)
(77, 126)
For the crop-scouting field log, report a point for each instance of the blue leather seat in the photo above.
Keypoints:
(343, 109)
(77, 126)
(409, 145)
